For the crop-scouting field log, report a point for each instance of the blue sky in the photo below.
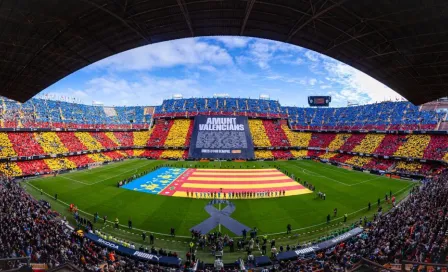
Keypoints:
(201, 67)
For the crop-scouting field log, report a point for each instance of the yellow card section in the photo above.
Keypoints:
(239, 186)
(238, 179)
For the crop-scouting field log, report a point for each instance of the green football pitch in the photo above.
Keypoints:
(95, 190)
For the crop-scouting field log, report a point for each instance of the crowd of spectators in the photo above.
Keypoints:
(178, 133)
(378, 116)
(415, 230)
(31, 229)
(275, 133)
(258, 132)
(45, 113)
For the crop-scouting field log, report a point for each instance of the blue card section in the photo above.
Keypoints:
(156, 181)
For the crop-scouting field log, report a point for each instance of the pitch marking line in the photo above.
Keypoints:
(323, 176)
(163, 234)
(311, 173)
(365, 181)
(75, 180)
(89, 184)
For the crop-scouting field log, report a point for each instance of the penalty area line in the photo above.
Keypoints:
(323, 176)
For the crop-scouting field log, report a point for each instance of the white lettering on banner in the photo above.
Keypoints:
(216, 123)
(145, 255)
(306, 250)
(220, 151)
(342, 237)
(107, 243)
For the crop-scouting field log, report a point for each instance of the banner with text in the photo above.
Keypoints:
(221, 137)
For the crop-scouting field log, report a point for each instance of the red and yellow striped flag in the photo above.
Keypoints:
(195, 180)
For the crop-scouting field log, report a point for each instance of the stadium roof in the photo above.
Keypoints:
(402, 43)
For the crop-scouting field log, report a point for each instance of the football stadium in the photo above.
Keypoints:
(224, 183)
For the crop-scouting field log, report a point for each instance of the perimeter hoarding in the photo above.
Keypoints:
(221, 137)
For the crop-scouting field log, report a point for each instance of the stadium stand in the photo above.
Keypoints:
(358, 161)
(390, 144)
(25, 144)
(44, 113)
(379, 116)
(413, 146)
(7, 149)
(173, 154)
(352, 141)
(299, 153)
(50, 143)
(178, 132)
(57, 164)
(159, 132)
(88, 141)
(71, 142)
(103, 140)
(369, 143)
(175, 134)
(10, 169)
(274, 137)
(379, 164)
(263, 155)
(258, 132)
(338, 141)
(141, 137)
(33, 167)
(275, 133)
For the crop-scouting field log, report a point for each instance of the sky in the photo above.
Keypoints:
(201, 67)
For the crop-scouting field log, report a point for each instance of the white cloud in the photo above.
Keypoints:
(167, 54)
(312, 56)
(312, 81)
(142, 91)
(357, 86)
(232, 42)
(262, 52)
(207, 68)
(323, 87)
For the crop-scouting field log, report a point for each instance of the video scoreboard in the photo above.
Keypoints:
(319, 101)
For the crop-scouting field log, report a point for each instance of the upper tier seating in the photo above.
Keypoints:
(219, 106)
(380, 116)
(44, 113)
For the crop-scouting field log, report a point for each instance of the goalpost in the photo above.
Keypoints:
(94, 165)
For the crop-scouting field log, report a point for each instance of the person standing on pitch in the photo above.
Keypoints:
(288, 229)
(130, 223)
(143, 236)
(117, 222)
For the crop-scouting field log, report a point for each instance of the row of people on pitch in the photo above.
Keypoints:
(308, 185)
(236, 194)
(127, 180)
